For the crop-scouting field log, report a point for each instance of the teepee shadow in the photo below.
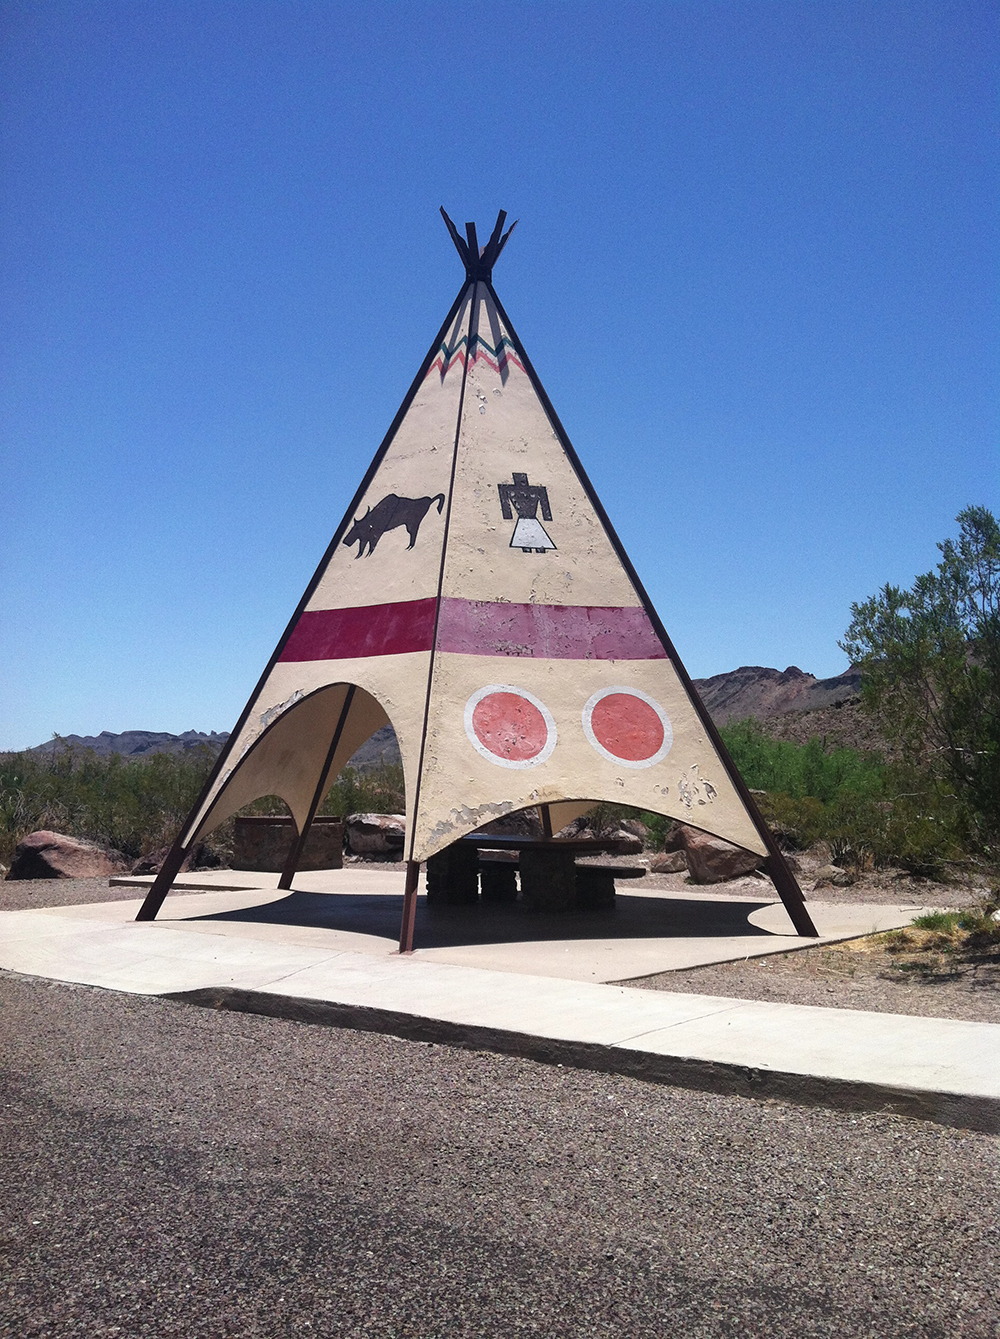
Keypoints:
(485, 923)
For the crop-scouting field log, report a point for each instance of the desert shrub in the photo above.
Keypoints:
(796, 822)
(914, 830)
(139, 805)
(658, 826)
(873, 813)
(914, 827)
(930, 662)
(133, 806)
(605, 818)
(376, 790)
(801, 770)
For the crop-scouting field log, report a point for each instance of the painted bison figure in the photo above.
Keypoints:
(391, 512)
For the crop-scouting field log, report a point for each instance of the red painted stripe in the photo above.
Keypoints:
(476, 628)
(547, 631)
(370, 630)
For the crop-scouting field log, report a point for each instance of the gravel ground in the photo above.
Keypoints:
(24, 894)
(858, 975)
(175, 1172)
(882, 889)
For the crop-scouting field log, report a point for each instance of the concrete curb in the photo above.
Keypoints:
(964, 1111)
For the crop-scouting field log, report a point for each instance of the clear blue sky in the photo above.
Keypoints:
(756, 270)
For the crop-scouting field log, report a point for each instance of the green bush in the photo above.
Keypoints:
(801, 770)
(930, 663)
(377, 790)
(131, 806)
(915, 827)
(796, 823)
(873, 813)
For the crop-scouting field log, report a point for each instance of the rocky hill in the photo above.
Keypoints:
(792, 704)
(796, 706)
(754, 690)
(842, 726)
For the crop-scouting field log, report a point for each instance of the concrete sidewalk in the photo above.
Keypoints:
(936, 1069)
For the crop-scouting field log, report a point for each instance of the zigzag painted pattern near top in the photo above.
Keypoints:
(480, 350)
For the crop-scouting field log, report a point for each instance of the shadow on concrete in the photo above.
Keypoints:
(492, 923)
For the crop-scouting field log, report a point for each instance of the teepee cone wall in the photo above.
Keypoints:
(477, 596)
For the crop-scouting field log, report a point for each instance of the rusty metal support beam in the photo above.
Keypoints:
(161, 884)
(409, 906)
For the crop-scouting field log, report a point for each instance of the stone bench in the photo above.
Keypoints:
(453, 876)
(595, 884)
(456, 874)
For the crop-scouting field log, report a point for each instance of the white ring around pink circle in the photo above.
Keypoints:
(595, 743)
(544, 754)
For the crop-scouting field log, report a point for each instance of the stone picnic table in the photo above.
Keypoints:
(551, 878)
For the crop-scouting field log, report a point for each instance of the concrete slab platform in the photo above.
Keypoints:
(649, 931)
(937, 1069)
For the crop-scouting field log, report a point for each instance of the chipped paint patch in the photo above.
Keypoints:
(464, 819)
(693, 790)
(274, 712)
(250, 739)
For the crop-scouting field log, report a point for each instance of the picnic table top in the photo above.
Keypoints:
(486, 841)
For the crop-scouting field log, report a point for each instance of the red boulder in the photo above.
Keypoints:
(53, 855)
(712, 860)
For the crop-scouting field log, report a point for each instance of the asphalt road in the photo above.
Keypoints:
(169, 1171)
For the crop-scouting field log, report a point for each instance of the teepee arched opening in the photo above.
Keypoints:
(296, 755)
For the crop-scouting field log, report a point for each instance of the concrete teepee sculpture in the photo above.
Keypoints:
(476, 596)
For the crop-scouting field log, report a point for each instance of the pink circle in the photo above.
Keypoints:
(627, 727)
(510, 726)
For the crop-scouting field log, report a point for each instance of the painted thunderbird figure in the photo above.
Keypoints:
(525, 499)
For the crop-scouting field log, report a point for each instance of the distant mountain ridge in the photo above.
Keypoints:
(134, 743)
(751, 690)
(143, 743)
(755, 690)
